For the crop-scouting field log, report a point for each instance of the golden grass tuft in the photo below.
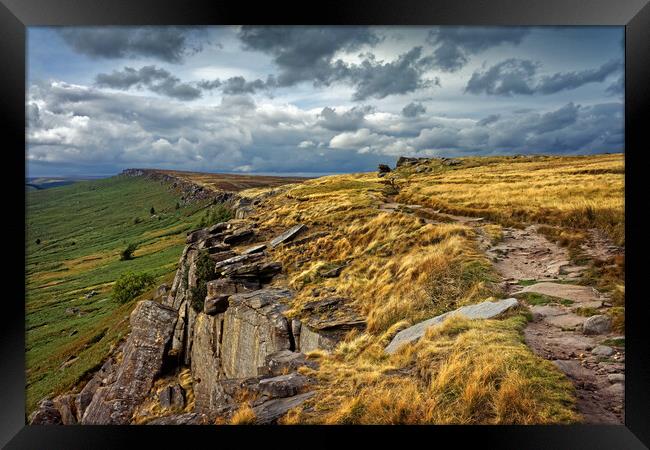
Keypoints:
(243, 416)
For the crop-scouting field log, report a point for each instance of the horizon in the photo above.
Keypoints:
(289, 99)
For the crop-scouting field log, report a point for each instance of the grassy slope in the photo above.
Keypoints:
(401, 270)
(82, 228)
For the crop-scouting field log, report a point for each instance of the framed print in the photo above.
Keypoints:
(266, 222)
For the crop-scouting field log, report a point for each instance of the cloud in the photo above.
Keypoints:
(169, 44)
(239, 85)
(83, 128)
(153, 78)
(454, 45)
(380, 79)
(311, 54)
(519, 76)
(351, 119)
(492, 118)
(413, 109)
(305, 53)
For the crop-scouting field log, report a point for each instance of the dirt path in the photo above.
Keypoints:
(541, 274)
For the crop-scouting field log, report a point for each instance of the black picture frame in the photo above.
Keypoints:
(16, 15)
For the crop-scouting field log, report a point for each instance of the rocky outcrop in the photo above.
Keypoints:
(485, 310)
(239, 346)
(190, 192)
(152, 325)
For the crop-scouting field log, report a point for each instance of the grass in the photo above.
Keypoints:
(398, 271)
(83, 227)
(535, 299)
(577, 192)
(614, 342)
(461, 372)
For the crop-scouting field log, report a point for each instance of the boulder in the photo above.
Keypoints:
(152, 325)
(450, 162)
(283, 362)
(283, 385)
(317, 340)
(46, 414)
(254, 327)
(602, 350)
(288, 235)
(269, 412)
(485, 310)
(598, 324)
(405, 161)
(616, 378)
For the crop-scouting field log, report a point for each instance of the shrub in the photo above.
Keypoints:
(216, 214)
(178, 206)
(204, 273)
(129, 285)
(38, 241)
(152, 211)
(127, 253)
(136, 220)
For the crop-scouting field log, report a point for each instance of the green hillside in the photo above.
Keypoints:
(75, 234)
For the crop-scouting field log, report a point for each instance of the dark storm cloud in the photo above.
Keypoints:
(572, 80)
(413, 109)
(239, 85)
(352, 119)
(492, 118)
(169, 44)
(454, 45)
(305, 53)
(520, 76)
(556, 120)
(512, 76)
(380, 79)
(153, 78)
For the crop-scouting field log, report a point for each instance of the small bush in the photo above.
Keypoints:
(38, 241)
(136, 220)
(216, 214)
(152, 211)
(178, 206)
(204, 273)
(129, 285)
(127, 253)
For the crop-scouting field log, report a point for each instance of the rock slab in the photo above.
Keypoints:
(152, 325)
(484, 310)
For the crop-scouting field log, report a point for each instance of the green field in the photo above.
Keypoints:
(82, 229)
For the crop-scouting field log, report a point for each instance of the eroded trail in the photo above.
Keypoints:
(570, 326)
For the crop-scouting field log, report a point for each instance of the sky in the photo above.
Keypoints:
(315, 100)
